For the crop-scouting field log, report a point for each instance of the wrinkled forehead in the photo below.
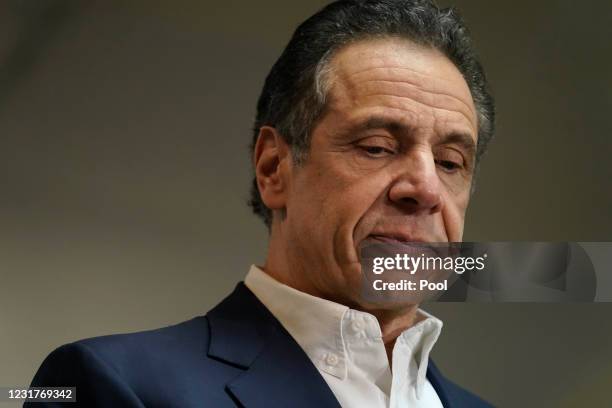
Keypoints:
(412, 70)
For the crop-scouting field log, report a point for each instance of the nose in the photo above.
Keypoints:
(417, 188)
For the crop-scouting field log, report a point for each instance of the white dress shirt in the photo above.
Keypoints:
(346, 347)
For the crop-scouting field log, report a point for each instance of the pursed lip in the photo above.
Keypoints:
(396, 237)
(394, 244)
(404, 239)
(408, 243)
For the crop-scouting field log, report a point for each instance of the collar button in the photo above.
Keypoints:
(331, 359)
(356, 327)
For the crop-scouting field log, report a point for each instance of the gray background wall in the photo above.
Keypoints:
(124, 174)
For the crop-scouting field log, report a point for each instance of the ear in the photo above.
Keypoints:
(272, 161)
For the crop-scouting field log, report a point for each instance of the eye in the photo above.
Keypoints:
(376, 151)
(448, 166)
(450, 160)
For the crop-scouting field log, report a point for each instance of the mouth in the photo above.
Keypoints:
(404, 244)
(394, 239)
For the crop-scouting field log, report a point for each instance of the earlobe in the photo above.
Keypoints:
(271, 160)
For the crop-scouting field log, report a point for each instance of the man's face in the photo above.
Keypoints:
(391, 159)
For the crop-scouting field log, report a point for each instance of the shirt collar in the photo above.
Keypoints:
(321, 327)
(417, 342)
(313, 322)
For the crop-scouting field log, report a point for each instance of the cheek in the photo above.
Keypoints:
(350, 203)
(331, 205)
(354, 195)
(453, 215)
(338, 190)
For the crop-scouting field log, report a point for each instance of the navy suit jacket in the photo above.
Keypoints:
(236, 355)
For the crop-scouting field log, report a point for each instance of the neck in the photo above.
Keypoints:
(393, 322)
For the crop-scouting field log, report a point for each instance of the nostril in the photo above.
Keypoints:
(409, 200)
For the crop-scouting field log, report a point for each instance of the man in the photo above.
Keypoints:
(369, 129)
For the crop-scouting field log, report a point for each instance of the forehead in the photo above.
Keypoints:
(399, 73)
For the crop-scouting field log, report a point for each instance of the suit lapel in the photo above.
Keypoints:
(281, 376)
(277, 372)
(440, 384)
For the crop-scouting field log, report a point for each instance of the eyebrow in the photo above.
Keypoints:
(377, 122)
(462, 139)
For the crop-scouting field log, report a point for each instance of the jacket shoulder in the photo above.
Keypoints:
(453, 393)
(126, 350)
(464, 397)
(168, 364)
